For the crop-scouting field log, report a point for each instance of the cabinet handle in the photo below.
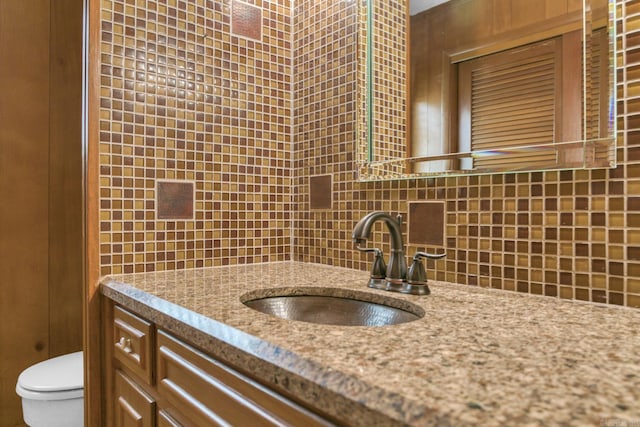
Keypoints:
(125, 344)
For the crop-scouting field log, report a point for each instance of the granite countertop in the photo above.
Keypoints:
(478, 356)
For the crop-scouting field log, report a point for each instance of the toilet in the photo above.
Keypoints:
(52, 392)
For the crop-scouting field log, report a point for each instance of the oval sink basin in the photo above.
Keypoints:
(335, 310)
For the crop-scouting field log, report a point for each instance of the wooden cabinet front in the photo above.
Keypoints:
(184, 387)
(133, 407)
(210, 393)
(166, 420)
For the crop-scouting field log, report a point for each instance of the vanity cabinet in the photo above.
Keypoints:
(156, 379)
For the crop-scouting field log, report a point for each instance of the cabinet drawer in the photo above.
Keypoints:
(133, 342)
(210, 393)
(133, 407)
(166, 420)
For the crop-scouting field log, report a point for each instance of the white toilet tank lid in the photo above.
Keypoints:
(63, 373)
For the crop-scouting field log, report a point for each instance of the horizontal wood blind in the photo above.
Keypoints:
(511, 99)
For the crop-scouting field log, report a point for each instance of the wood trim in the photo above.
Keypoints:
(107, 367)
(599, 81)
(450, 110)
(92, 312)
(522, 36)
(571, 100)
(408, 80)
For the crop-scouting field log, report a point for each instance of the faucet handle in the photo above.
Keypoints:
(378, 269)
(417, 276)
(361, 249)
(426, 255)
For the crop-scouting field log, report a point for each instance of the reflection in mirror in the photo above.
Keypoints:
(477, 86)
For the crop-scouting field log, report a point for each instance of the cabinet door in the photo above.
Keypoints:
(132, 406)
(209, 393)
(166, 420)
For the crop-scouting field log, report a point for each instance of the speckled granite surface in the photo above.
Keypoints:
(477, 357)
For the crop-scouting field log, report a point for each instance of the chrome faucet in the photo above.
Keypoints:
(395, 271)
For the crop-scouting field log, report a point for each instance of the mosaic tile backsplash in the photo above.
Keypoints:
(249, 121)
(567, 234)
(196, 91)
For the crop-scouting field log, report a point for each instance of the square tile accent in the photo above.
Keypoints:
(320, 192)
(426, 223)
(246, 20)
(175, 200)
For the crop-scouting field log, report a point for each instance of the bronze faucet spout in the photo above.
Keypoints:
(397, 265)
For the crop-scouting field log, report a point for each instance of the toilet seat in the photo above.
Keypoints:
(59, 378)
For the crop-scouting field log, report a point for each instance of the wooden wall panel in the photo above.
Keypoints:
(92, 342)
(24, 158)
(65, 174)
(40, 188)
(473, 28)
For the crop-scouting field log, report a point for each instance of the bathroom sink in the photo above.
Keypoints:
(343, 310)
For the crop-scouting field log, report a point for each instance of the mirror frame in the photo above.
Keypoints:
(396, 168)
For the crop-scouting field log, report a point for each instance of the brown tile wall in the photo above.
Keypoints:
(567, 234)
(389, 65)
(325, 63)
(183, 98)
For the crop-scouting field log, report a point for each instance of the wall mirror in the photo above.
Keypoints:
(485, 86)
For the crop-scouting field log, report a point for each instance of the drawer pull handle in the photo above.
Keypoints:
(125, 344)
